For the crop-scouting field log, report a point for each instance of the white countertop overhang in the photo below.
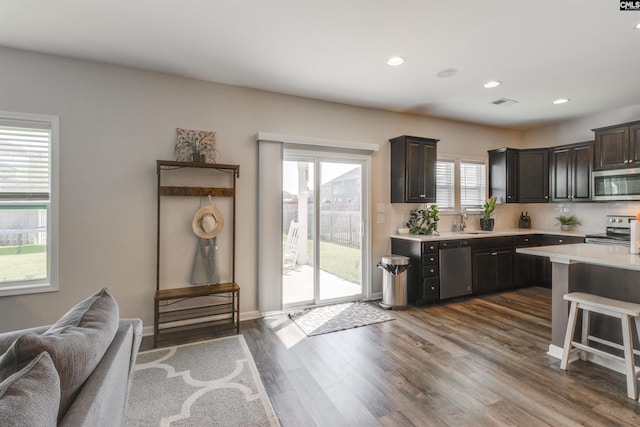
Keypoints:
(604, 255)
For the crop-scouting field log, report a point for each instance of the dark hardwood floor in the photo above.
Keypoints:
(480, 361)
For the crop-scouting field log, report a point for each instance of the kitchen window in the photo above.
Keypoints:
(28, 203)
(460, 183)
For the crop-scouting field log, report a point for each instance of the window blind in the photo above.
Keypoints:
(445, 184)
(24, 160)
(472, 184)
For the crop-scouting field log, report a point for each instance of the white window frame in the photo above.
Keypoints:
(456, 180)
(50, 283)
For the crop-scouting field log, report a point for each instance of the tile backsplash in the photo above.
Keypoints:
(543, 215)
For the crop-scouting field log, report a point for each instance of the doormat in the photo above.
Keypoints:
(338, 317)
(209, 383)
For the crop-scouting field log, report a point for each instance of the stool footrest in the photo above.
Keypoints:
(599, 352)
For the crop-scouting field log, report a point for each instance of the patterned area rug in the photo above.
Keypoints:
(210, 383)
(338, 317)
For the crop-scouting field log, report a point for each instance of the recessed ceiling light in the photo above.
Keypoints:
(394, 61)
(492, 83)
(637, 27)
(449, 72)
(561, 101)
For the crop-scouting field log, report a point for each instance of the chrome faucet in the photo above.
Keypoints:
(463, 216)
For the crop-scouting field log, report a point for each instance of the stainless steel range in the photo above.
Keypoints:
(618, 231)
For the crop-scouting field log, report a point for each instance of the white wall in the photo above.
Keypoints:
(115, 122)
(578, 130)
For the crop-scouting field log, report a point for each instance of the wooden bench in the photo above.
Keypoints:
(609, 307)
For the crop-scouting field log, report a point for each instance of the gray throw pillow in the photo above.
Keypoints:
(31, 396)
(76, 344)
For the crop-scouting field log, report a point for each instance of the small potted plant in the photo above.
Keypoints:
(567, 222)
(486, 222)
(424, 221)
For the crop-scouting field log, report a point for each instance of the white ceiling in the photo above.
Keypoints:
(336, 50)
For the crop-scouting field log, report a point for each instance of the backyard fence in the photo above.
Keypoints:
(23, 227)
(339, 223)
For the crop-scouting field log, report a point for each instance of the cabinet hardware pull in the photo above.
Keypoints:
(431, 270)
(494, 253)
(560, 241)
(423, 196)
(433, 288)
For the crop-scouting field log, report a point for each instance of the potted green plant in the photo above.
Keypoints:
(486, 222)
(424, 221)
(567, 222)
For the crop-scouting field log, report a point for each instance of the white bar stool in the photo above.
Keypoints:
(609, 307)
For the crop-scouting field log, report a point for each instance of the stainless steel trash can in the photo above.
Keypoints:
(394, 281)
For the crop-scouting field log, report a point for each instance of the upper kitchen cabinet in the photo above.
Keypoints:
(571, 168)
(618, 146)
(519, 176)
(533, 176)
(503, 175)
(413, 169)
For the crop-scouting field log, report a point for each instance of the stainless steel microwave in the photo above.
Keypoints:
(619, 184)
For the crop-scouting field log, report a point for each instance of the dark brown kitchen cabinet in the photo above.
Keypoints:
(571, 168)
(503, 175)
(413, 169)
(423, 280)
(549, 240)
(492, 264)
(618, 146)
(527, 267)
(533, 176)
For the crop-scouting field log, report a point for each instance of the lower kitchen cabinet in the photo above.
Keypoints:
(527, 267)
(423, 280)
(492, 264)
(549, 240)
(495, 264)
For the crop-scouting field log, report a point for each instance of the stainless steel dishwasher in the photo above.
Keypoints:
(455, 268)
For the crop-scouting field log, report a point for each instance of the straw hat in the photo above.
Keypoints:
(207, 222)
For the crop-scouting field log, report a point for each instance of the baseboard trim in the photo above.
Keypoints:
(555, 351)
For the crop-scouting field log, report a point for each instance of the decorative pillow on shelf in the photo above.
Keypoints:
(31, 396)
(76, 344)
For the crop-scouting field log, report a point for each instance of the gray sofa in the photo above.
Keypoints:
(101, 399)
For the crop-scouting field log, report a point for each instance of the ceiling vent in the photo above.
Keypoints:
(504, 102)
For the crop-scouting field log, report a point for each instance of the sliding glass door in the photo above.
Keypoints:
(323, 229)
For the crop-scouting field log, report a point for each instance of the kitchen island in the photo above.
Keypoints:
(605, 270)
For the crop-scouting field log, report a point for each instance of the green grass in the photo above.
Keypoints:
(22, 262)
(342, 261)
(24, 249)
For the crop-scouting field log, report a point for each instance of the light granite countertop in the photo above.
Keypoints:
(477, 234)
(606, 255)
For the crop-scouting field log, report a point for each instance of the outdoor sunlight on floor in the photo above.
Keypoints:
(297, 285)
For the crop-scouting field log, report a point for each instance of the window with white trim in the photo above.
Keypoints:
(473, 184)
(28, 203)
(460, 183)
(445, 184)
